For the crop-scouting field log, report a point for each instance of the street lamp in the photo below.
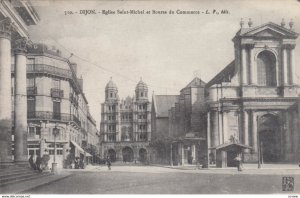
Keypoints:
(55, 133)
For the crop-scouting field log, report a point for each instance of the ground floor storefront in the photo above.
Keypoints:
(137, 152)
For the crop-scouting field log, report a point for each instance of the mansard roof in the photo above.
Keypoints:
(269, 29)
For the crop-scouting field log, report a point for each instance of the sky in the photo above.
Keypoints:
(166, 50)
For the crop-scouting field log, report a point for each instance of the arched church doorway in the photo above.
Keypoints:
(112, 155)
(143, 155)
(269, 139)
(127, 153)
(266, 69)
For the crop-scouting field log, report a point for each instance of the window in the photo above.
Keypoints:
(56, 110)
(38, 131)
(55, 83)
(59, 152)
(140, 106)
(30, 82)
(142, 94)
(111, 95)
(266, 69)
(140, 116)
(31, 106)
(51, 152)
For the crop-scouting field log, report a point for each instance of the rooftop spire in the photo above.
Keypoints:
(250, 23)
(291, 23)
(242, 23)
(282, 23)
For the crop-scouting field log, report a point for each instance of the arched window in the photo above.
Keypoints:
(266, 69)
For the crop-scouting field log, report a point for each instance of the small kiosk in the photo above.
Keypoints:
(226, 154)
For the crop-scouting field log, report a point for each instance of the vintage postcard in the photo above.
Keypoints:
(149, 97)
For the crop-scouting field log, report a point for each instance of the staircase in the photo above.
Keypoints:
(14, 174)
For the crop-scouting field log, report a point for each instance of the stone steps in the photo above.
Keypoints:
(16, 174)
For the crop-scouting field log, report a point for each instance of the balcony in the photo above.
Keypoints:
(76, 120)
(73, 100)
(57, 93)
(47, 115)
(31, 91)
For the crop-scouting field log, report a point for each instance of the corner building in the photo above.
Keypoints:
(126, 125)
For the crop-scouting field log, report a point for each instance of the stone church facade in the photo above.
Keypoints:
(126, 125)
(255, 100)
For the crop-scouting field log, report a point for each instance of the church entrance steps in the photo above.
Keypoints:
(14, 174)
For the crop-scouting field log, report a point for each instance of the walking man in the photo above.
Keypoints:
(108, 162)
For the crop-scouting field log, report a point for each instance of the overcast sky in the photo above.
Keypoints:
(167, 51)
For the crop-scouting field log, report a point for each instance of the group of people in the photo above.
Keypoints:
(78, 163)
(35, 162)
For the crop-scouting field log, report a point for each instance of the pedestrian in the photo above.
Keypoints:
(108, 162)
(31, 162)
(38, 163)
(238, 159)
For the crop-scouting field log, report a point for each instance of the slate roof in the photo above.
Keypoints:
(162, 104)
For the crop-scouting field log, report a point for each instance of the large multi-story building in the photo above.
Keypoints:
(57, 109)
(126, 124)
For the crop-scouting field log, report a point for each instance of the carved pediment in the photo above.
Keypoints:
(270, 30)
(268, 33)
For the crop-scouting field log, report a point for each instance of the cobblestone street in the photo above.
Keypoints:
(160, 180)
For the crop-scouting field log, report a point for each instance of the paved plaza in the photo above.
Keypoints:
(168, 180)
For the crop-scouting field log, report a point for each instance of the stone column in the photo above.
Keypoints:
(287, 135)
(252, 66)
(214, 128)
(285, 66)
(5, 92)
(295, 135)
(293, 71)
(220, 126)
(244, 65)
(246, 130)
(208, 131)
(225, 126)
(171, 154)
(193, 147)
(20, 101)
(182, 154)
(254, 132)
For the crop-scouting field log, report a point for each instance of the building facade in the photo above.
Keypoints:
(250, 108)
(180, 120)
(255, 99)
(15, 18)
(57, 109)
(126, 125)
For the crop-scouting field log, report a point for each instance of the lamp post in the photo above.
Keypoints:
(55, 133)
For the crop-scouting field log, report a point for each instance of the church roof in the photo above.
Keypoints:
(196, 82)
(162, 104)
(269, 29)
(223, 76)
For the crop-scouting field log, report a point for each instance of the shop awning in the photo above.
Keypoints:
(81, 149)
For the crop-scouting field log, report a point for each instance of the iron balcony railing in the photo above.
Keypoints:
(47, 115)
(73, 100)
(57, 93)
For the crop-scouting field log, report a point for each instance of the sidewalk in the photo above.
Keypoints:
(20, 187)
(266, 169)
